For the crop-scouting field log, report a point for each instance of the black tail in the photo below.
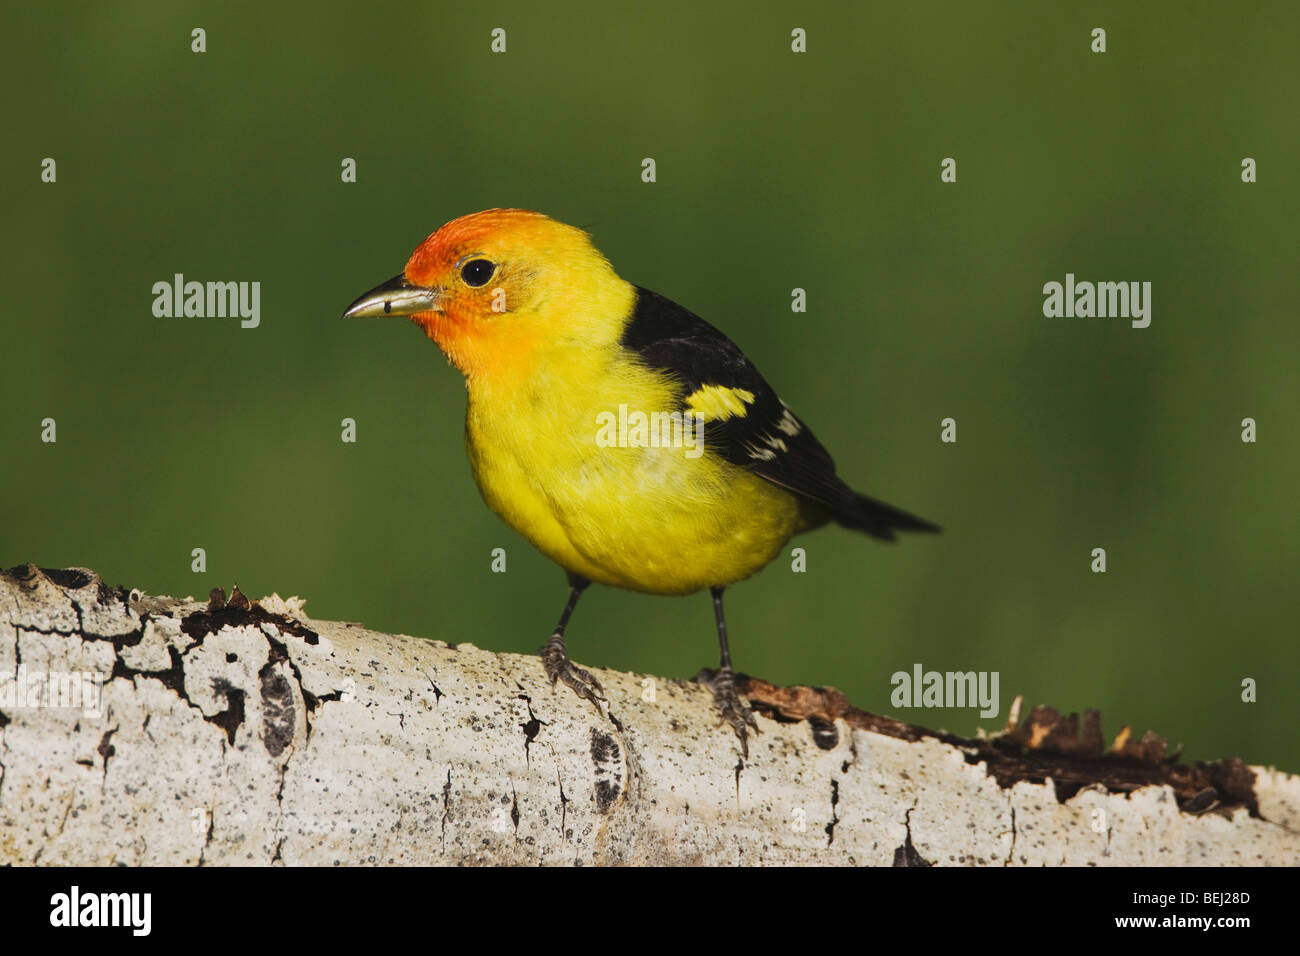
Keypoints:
(881, 520)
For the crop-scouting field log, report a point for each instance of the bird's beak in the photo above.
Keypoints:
(394, 297)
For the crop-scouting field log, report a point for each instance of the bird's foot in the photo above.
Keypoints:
(555, 659)
(734, 710)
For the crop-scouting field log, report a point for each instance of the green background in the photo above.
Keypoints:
(775, 170)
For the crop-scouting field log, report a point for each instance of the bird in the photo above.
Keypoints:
(631, 442)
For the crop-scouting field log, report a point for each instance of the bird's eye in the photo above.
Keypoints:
(476, 272)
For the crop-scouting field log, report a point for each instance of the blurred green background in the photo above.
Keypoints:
(775, 170)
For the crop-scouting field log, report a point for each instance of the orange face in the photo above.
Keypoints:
(495, 289)
(495, 273)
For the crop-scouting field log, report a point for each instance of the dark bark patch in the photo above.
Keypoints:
(1046, 744)
(606, 758)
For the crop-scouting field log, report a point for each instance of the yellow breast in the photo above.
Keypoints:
(664, 520)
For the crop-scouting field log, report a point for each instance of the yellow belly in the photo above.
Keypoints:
(653, 519)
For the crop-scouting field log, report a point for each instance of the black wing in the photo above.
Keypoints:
(769, 440)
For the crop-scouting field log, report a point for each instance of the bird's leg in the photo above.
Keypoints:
(555, 656)
(723, 683)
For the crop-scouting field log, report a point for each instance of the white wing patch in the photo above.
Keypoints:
(788, 423)
(766, 454)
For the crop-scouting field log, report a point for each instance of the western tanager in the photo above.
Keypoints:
(588, 400)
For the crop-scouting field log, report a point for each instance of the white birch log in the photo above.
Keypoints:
(260, 736)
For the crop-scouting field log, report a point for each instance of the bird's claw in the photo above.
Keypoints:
(555, 659)
(733, 710)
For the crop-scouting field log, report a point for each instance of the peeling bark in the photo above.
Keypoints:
(246, 733)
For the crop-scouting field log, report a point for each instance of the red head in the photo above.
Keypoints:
(492, 287)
